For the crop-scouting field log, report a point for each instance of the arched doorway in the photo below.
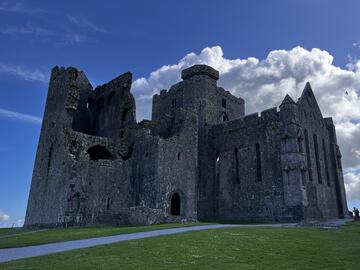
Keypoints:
(175, 204)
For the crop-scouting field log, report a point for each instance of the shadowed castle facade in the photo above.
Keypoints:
(199, 158)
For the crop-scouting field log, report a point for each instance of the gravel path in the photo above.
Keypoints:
(10, 254)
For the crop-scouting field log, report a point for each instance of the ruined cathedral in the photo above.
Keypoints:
(198, 158)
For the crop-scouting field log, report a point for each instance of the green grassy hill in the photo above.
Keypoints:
(230, 248)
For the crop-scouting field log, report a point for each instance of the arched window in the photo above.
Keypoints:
(75, 202)
(99, 152)
(175, 204)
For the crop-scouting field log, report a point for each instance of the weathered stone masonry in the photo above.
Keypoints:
(199, 158)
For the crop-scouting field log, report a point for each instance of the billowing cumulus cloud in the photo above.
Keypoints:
(3, 218)
(263, 83)
(352, 181)
(6, 221)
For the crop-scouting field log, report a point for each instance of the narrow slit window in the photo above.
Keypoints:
(223, 103)
(217, 168)
(258, 163)
(49, 160)
(300, 145)
(237, 178)
(89, 103)
(108, 202)
(225, 117)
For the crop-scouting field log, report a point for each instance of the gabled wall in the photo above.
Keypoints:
(324, 180)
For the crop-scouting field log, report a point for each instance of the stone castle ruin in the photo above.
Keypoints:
(199, 158)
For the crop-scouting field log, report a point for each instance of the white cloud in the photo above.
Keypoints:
(24, 73)
(3, 217)
(20, 117)
(19, 223)
(6, 221)
(357, 44)
(27, 29)
(263, 83)
(84, 23)
(352, 180)
(39, 34)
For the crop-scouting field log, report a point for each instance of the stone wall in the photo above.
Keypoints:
(247, 168)
(199, 158)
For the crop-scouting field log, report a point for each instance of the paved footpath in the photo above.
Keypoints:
(10, 254)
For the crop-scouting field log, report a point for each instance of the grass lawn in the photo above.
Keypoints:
(24, 238)
(10, 231)
(231, 248)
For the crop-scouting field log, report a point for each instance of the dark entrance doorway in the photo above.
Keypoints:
(175, 204)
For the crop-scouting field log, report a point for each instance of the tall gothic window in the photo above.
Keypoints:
(317, 160)
(326, 163)
(307, 146)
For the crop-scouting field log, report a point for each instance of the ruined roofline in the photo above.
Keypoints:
(225, 93)
(165, 92)
(72, 72)
(124, 80)
(249, 120)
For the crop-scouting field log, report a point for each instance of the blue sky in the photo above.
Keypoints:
(108, 38)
